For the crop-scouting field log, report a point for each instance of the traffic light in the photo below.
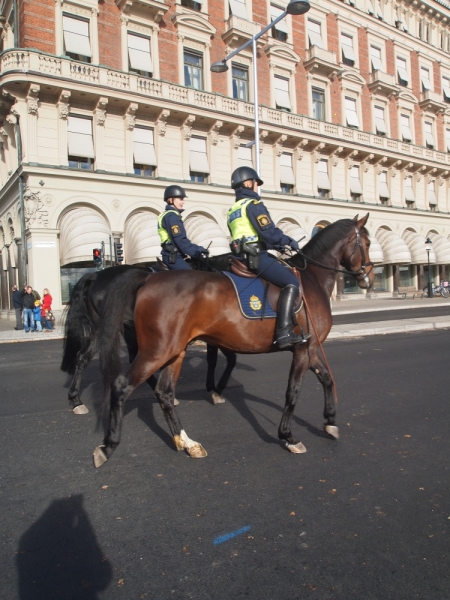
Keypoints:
(97, 255)
(118, 248)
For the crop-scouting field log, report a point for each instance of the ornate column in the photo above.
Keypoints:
(62, 107)
(129, 121)
(99, 133)
(32, 106)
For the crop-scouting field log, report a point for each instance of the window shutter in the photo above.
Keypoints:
(429, 134)
(314, 34)
(406, 131)
(79, 137)
(432, 200)
(282, 99)
(425, 77)
(375, 56)
(76, 36)
(355, 183)
(245, 157)
(281, 25)
(350, 112)
(239, 9)
(347, 47)
(380, 124)
(383, 189)
(143, 147)
(409, 193)
(401, 70)
(198, 158)
(323, 181)
(286, 170)
(139, 53)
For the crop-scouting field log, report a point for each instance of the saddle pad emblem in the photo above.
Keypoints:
(255, 303)
(175, 229)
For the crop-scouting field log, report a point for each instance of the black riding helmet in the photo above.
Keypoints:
(174, 191)
(242, 174)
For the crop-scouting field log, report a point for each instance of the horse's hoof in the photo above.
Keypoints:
(296, 448)
(197, 451)
(217, 398)
(81, 409)
(175, 402)
(99, 457)
(332, 430)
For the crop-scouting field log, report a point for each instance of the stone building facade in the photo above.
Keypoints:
(106, 102)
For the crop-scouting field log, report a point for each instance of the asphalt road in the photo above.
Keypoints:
(392, 315)
(364, 517)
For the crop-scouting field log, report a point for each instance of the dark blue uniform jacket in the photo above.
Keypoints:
(174, 226)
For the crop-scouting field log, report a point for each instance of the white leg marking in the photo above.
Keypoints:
(194, 449)
(217, 398)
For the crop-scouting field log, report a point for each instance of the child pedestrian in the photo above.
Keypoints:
(37, 316)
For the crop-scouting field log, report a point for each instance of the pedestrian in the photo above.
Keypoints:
(46, 309)
(37, 316)
(18, 306)
(28, 306)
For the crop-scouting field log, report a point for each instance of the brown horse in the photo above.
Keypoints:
(176, 307)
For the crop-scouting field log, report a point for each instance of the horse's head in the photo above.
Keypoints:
(356, 254)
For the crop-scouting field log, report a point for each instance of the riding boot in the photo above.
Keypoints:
(285, 334)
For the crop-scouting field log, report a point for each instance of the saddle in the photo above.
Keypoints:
(239, 268)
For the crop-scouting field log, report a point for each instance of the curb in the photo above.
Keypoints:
(410, 326)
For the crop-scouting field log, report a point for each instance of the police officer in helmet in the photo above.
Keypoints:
(174, 242)
(253, 233)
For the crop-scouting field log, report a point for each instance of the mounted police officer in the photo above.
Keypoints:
(174, 242)
(253, 233)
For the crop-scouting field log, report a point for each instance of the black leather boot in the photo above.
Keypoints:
(285, 334)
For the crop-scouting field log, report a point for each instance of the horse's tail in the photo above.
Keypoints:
(117, 308)
(78, 328)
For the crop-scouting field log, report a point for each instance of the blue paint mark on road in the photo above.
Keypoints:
(233, 534)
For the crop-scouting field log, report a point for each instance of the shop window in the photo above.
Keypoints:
(282, 99)
(280, 31)
(350, 113)
(144, 156)
(198, 160)
(239, 76)
(193, 70)
(323, 181)
(406, 275)
(402, 73)
(80, 143)
(406, 130)
(318, 104)
(348, 53)
(380, 281)
(77, 44)
(314, 34)
(139, 57)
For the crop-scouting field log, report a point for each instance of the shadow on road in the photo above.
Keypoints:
(59, 556)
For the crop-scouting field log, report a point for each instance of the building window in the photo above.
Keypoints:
(282, 99)
(356, 190)
(410, 199)
(447, 139)
(314, 34)
(402, 73)
(76, 38)
(323, 181)
(380, 123)
(238, 9)
(287, 179)
(370, 8)
(375, 58)
(318, 104)
(406, 131)
(198, 160)
(432, 200)
(280, 31)
(429, 138)
(348, 54)
(245, 157)
(144, 156)
(446, 88)
(139, 57)
(80, 143)
(193, 70)
(383, 190)
(197, 6)
(425, 79)
(240, 82)
(379, 10)
(350, 113)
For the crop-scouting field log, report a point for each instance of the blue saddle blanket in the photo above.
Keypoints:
(252, 298)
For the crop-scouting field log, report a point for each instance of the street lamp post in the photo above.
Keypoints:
(295, 7)
(428, 244)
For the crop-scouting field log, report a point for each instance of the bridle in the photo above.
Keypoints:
(362, 274)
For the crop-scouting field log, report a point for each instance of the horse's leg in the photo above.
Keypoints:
(129, 335)
(83, 359)
(165, 390)
(121, 388)
(329, 411)
(299, 366)
(211, 357)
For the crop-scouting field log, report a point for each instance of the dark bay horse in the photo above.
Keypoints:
(174, 308)
(82, 323)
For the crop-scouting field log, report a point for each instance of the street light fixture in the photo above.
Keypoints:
(295, 7)
(428, 245)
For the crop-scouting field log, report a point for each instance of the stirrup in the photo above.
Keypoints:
(288, 340)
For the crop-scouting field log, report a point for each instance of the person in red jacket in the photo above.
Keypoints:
(46, 307)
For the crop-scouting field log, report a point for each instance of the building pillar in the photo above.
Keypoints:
(396, 279)
(340, 287)
(420, 277)
(43, 262)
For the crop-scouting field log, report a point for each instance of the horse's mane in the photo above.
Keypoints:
(327, 237)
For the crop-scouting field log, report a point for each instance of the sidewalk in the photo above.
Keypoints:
(343, 307)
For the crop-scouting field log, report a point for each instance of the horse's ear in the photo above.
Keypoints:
(356, 218)
(362, 222)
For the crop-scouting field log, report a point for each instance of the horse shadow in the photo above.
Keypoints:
(59, 556)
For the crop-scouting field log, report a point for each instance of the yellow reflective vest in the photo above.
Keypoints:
(163, 233)
(239, 224)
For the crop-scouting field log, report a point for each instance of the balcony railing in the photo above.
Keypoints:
(38, 63)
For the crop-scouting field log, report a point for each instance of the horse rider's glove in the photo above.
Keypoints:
(294, 245)
(201, 252)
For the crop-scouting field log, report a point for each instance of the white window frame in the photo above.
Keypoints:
(428, 133)
(351, 115)
(315, 37)
(447, 138)
(348, 49)
(287, 169)
(137, 52)
(425, 78)
(405, 127)
(283, 25)
(409, 189)
(446, 87)
(75, 40)
(144, 146)
(401, 67)
(323, 83)
(355, 181)
(282, 96)
(323, 179)
(198, 155)
(379, 119)
(383, 188)
(431, 193)
(79, 9)
(238, 8)
(80, 137)
(245, 157)
(376, 60)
